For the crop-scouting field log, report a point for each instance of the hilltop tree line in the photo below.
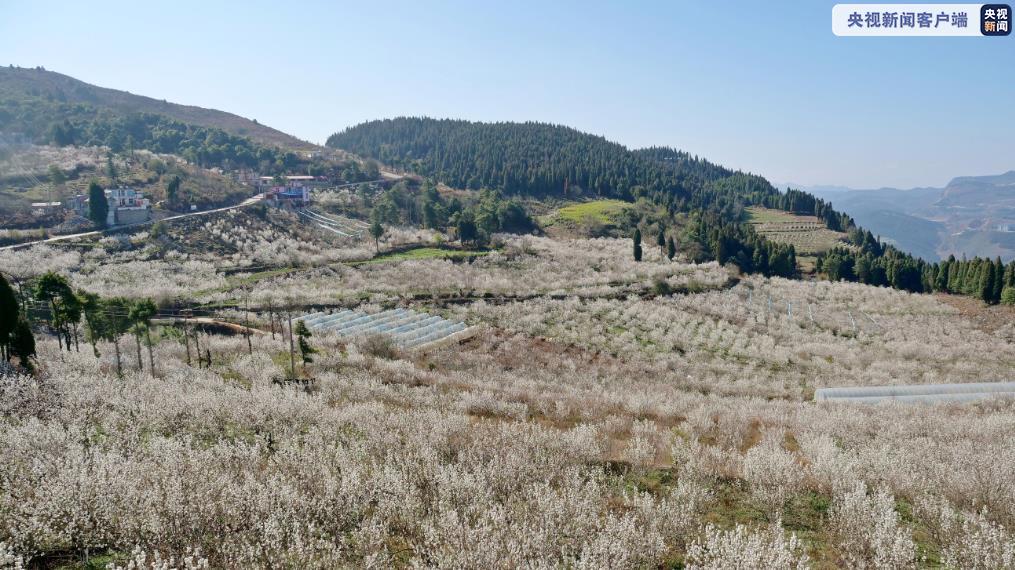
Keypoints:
(989, 280)
(50, 121)
(530, 159)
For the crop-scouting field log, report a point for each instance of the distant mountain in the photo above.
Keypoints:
(985, 191)
(960, 219)
(22, 85)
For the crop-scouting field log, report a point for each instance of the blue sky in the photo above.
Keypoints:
(764, 87)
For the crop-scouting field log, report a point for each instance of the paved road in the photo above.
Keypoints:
(247, 202)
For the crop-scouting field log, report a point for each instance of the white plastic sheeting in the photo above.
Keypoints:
(407, 328)
(918, 393)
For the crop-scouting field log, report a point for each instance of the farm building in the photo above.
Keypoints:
(289, 180)
(288, 196)
(126, 206)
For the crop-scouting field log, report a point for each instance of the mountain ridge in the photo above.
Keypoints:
(18, 82)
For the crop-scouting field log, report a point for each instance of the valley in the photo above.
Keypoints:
(970, 216)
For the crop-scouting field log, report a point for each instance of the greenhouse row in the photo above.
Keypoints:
(919, 393)
(406, 328)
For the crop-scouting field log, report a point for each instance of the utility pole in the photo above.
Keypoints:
(186, 332)
(197, 345)
(246, 323)
(271, 317)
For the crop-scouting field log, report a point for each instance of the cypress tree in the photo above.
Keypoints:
(637, 244)
(995, 296)
(986, 287)
(941, 282)
(98, 206)
(671, 249)
(303, 335)
(9, 313)
(953, 277)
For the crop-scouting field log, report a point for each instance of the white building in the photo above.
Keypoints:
(127, 206)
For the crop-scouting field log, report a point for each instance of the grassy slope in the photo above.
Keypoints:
(20, 83)
(574, 216)
(425, 253)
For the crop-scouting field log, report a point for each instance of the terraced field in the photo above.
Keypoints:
(808, 234)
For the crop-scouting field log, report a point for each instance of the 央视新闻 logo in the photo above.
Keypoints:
(995, 19)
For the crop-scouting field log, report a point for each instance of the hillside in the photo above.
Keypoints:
(536, 159)
(24, 84)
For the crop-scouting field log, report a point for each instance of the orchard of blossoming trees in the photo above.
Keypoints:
(606, 414)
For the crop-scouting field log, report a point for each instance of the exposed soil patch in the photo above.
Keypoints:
(986, 317)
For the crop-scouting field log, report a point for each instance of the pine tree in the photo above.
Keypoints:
(111, 170)
(376, 231)
(117, 311)
(661, 241)
(22, 344)
(637, 244)
(140, 315)
(64, 310)
(91, 306)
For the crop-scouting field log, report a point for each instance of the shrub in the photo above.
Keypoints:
(380, 346)
(1008, 296)
(741, 549)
